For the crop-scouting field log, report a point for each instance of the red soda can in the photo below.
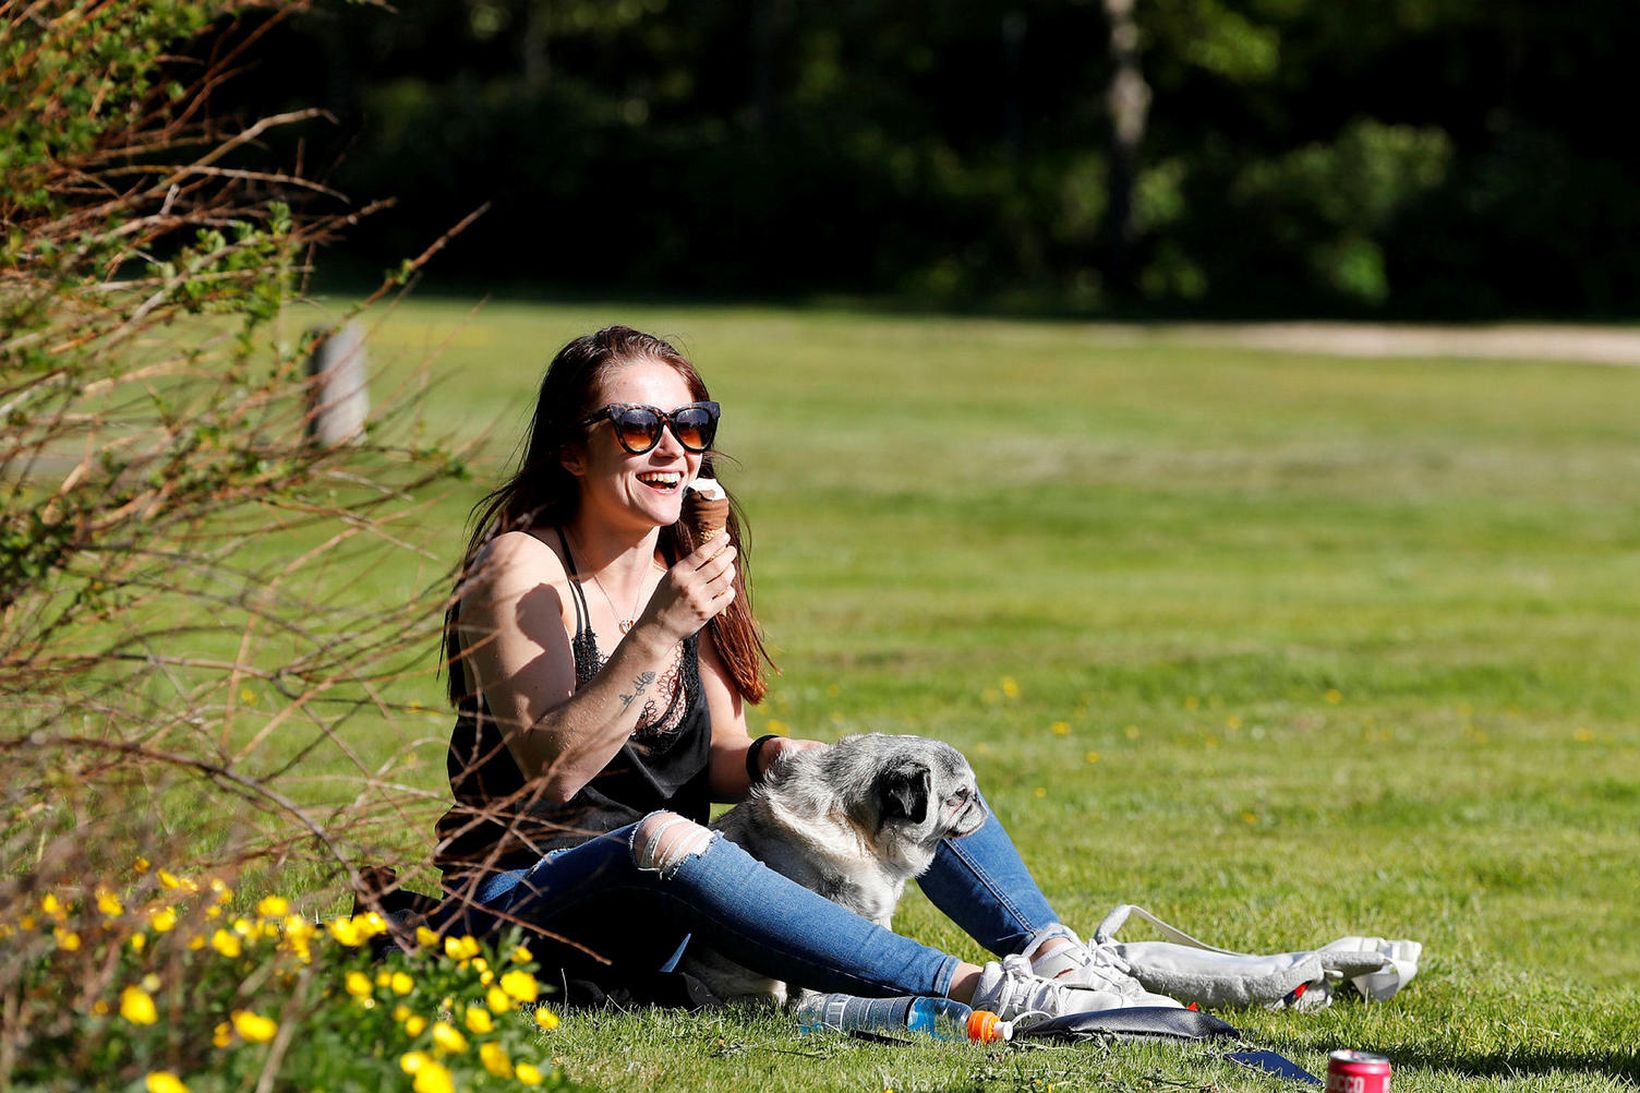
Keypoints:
(1357, 1072)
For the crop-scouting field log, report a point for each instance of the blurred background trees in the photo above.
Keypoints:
(1415, 158)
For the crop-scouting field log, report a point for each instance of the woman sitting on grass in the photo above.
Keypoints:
(600, 662)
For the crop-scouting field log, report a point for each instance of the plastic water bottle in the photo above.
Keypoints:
(940, 1018)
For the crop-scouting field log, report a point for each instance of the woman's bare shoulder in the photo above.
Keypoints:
(515, 560)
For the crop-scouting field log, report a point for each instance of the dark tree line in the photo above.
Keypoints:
(1407, 157)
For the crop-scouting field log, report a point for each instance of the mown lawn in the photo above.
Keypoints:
(1283, 647)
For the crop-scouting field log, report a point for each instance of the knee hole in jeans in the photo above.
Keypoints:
(662, 840)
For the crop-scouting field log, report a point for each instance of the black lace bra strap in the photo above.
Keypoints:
(583, 614)
(584, 645)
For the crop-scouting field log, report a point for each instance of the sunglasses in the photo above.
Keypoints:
(638, 428)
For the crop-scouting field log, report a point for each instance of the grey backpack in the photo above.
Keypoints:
(1193, 971)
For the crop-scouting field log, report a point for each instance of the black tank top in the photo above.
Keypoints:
(499, 821)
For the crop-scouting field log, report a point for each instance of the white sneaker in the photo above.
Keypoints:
(1075, 964)
(1011, 991)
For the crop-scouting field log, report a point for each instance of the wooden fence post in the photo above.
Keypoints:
(338, 400)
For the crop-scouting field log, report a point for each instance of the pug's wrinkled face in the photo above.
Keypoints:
(908, 792)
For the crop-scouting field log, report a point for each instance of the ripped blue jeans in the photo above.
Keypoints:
(595, 904)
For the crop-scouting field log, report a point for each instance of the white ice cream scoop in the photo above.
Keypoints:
(709, 489)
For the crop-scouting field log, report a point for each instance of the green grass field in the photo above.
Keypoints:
(1283, 647)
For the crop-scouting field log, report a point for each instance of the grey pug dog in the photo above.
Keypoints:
(853, 821)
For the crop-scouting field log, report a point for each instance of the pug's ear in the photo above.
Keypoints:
(903, 792)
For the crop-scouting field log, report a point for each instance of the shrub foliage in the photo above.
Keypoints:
(182, 624)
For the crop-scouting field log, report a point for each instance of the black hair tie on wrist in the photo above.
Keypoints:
(754, 773)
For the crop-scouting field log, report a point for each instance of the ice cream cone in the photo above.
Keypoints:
(706, 508)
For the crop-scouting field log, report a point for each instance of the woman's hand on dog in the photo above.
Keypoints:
(783, 746)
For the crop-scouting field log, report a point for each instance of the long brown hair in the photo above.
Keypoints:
(541, 494)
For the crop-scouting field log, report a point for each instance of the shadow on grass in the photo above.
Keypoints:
(1617, 1063)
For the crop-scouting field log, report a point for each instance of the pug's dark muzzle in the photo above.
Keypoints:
(968, 815)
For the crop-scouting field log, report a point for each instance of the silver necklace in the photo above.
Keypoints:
(625, 624)
(631, 620)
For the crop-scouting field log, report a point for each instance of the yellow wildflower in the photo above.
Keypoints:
(141, 865)
(272, 907)
(26, 922)
(401, 1013)
(223, 892)
(433, 1078)
(100, 1008)
(51, 905)
(253, 1027)
(522, 955)
(447, 1038)
(412, 1061)
(520, 986)
(226, 944)
(373, 924)
(401, 983)
(415, 1025)
(109, 904)
(1060, 728)
(67, 940)
(487, 977)
(358, 984)
(163, 1081)
(527, 1074)
(246, 929)
(349, 932)
(150, 982)
(1010, 686)
(163, 921)
(426, 938)
(546, 1018)
(137, 1006)
(494, 1058)
(196, 942)
(478, 1020)
(460, 948)
(384, 978)
(213, 911)
(139, 942)
(497, 1000)
(222, 1035)
(169, 879)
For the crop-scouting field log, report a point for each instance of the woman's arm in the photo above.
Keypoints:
(728, 776)
(513, 628)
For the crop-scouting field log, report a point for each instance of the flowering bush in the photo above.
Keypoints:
(174, 984)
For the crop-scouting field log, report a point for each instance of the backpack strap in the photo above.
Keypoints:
(1113, 922)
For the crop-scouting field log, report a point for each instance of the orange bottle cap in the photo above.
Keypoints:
(984, 1027)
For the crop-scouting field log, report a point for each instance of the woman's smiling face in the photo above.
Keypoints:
(623, 487)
